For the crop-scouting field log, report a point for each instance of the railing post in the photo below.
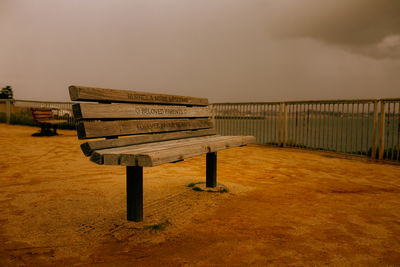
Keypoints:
(374, 130)
(280, 125)
(285, 124)
(8, 110)
(382, 131)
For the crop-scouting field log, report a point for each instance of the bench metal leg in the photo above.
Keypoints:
(211, 169)
(44, 131)
(134, 193)
(55, 129)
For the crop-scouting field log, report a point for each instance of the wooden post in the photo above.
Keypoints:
(285, 116)
(382, 131)
(134, 193)
(8, 111)
(374, 130)
(211, 169)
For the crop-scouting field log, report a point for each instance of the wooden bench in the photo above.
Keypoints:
(144, 130)
(45, 118)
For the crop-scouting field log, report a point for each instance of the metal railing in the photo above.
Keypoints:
(369, 127)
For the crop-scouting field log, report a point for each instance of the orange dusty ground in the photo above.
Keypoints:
(284, 207)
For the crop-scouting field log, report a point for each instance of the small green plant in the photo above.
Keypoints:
(196, 188)
(220, 190)
(157, 226)
(199, 189)
(191, 184)
(223, 190)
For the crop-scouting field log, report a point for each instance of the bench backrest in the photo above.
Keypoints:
(41, 115)
(155, 117)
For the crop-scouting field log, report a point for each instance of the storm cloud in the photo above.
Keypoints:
(369, 27)
(225, 50)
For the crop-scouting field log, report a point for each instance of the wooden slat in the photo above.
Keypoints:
(126, 111)
(168, 151)
(170, 155)
(42, 113)
(81, 93)
(51, 121)
(42, 116)
(91, 146)
(157, 145)
(112, 156)
(94, 129)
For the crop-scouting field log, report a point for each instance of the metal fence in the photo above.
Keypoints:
(369, 127)
(18, 111)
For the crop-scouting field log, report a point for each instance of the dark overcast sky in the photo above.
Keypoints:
(226, 50)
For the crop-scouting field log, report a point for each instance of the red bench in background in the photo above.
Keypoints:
(45, 118)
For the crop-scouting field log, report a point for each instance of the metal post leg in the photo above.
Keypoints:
(134, 193)
(211, 169)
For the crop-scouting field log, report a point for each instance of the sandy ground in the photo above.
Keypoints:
(284, 207)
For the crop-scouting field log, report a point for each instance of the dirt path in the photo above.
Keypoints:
(284, 207)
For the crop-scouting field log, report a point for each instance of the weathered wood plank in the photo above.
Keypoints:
(169, 151)
(82, 93)
(91, 146)
(112, 156)
(38, 113)
(162, 144)
(169, 155)
(43, 118)
(94, 129)
(51, 121)
(126, 111)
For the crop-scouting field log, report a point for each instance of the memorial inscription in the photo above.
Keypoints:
(158, 98)
(160, 111)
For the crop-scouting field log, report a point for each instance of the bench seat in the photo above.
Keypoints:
(156, 153)
(44, 117)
